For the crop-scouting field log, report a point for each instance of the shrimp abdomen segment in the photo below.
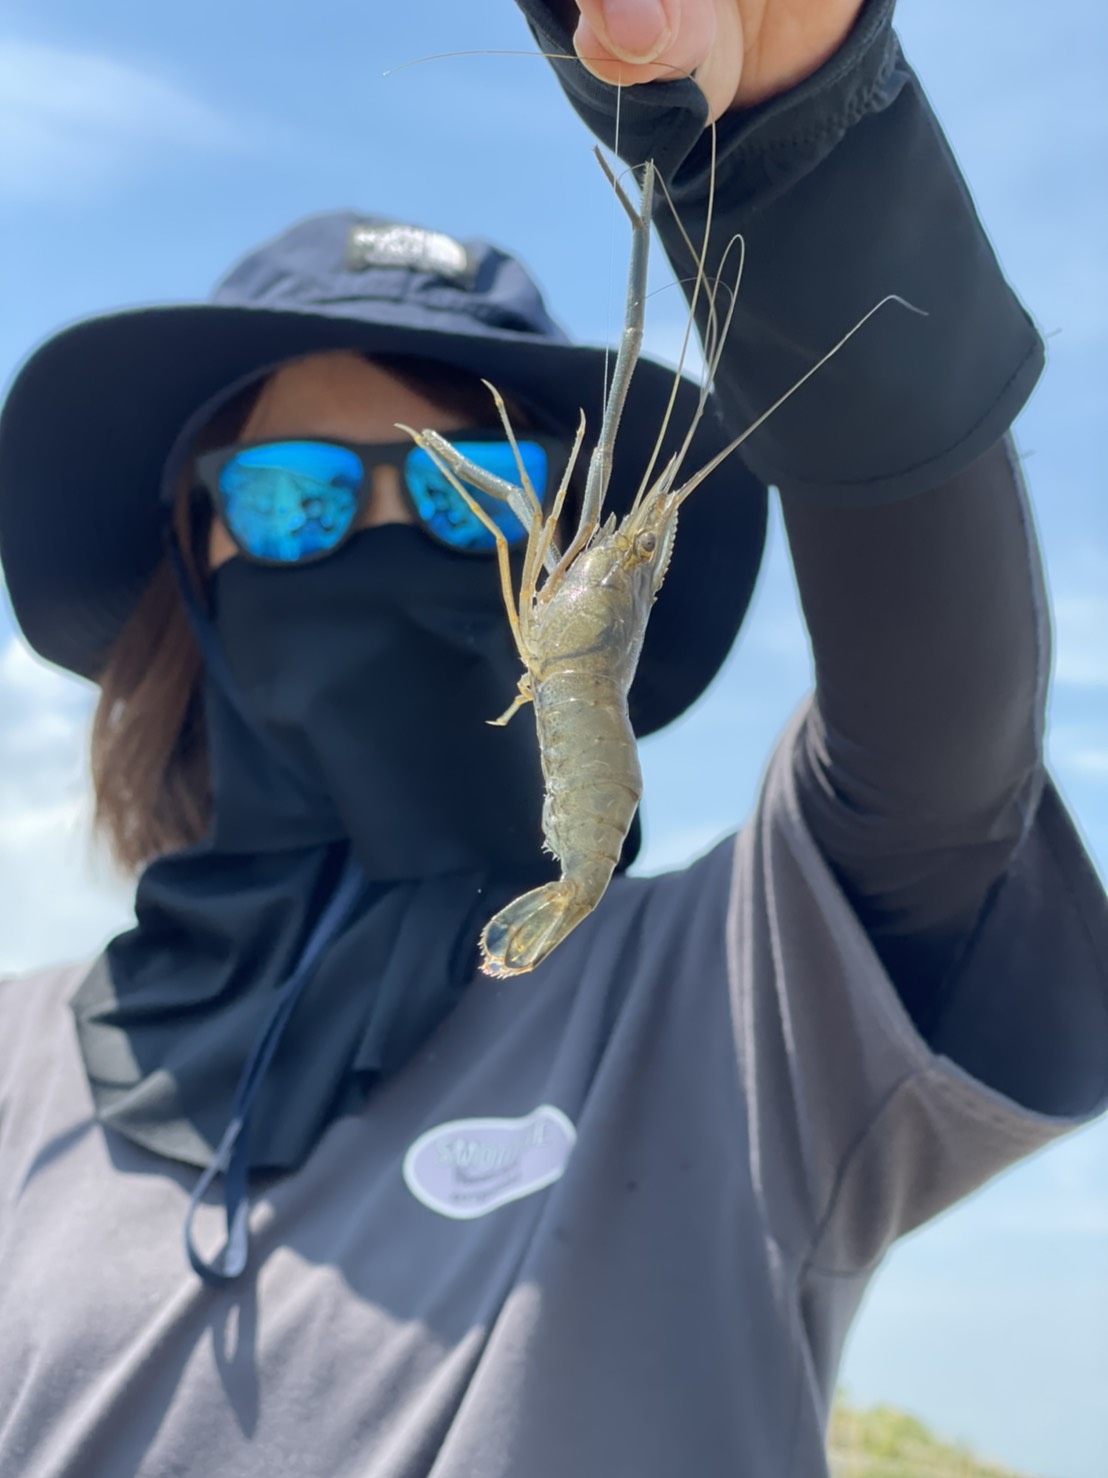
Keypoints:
(593, 785)
(591, 768)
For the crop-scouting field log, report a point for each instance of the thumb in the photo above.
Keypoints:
(631, 41)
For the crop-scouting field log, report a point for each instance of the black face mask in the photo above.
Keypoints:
(374, 673)
(356, 729)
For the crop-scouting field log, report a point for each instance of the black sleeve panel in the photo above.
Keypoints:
(911, 400)
(1026, 1008)
(919, 767)
(919, 773)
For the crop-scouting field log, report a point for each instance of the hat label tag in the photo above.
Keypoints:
(411, 247)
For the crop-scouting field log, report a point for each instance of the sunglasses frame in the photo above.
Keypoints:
(209, 467)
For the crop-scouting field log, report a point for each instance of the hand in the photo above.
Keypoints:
(739, 51)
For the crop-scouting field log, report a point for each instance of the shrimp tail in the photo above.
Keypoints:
(526, 930)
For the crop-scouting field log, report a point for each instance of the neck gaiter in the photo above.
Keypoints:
(371, 676)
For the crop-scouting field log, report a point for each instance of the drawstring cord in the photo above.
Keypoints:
(232, 1155)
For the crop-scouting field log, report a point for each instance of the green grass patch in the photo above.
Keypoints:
(885, 1443)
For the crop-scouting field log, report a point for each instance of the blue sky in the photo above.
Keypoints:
(143, 148)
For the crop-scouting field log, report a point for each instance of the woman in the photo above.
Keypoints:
(615, 1217)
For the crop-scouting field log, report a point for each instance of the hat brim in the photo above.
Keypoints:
(93, 414)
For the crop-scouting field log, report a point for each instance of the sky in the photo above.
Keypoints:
(144, 148)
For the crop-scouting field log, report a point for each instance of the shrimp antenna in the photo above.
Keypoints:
(715, 340)
(700, 284)
(710, 466)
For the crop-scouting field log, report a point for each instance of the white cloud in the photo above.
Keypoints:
(1079, 742)
(1091, 762)
(72, 121)
(59, 900)
(41, 714)
(1081, 625)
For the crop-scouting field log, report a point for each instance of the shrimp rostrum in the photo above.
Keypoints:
(579, 631)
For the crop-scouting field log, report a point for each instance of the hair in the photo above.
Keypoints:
(150, 768)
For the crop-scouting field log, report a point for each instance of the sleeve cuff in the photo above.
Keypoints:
(844, 190)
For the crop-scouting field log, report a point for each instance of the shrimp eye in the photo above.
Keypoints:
(647, 543)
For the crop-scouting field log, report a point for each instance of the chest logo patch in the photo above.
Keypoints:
(468, 1167)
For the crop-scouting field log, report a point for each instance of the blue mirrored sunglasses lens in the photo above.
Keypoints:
(446, 513)
(290, 500)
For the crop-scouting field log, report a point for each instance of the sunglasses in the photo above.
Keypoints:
(291, 502)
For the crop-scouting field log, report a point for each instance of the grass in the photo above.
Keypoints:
(885, 1443)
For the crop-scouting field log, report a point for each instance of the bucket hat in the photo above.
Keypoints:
(93, 414)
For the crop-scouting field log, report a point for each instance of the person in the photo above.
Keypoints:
(615, 1216)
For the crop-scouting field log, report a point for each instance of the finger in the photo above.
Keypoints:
(632, 41)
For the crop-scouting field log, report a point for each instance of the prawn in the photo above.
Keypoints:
(579, 634)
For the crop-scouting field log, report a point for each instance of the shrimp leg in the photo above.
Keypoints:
(522, 500)
(436, 448)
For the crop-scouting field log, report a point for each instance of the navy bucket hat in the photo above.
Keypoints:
(94, 413)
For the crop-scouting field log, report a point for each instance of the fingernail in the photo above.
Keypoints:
(636, 30)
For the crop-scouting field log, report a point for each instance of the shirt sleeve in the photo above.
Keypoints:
(920, 765)
(859, 1129)
(844, 190)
